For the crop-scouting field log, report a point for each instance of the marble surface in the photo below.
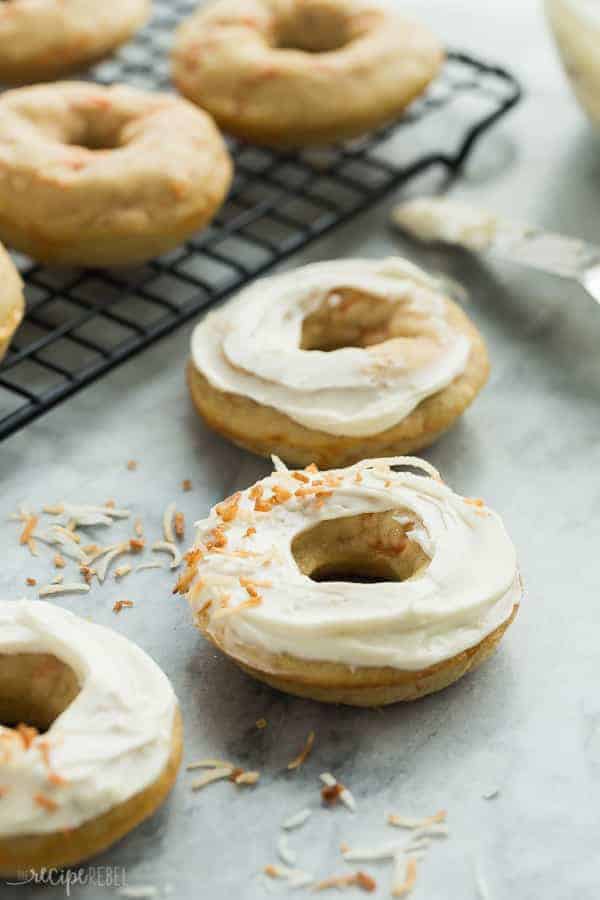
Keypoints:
(528, 723)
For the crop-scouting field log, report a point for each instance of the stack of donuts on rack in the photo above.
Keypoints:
(357, 558)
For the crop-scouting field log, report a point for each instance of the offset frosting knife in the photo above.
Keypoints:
(437, 219)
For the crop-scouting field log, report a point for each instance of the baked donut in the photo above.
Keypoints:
(273, 581)
(12, 302)
(100, 176)
(336, 362)
(296, 72)
(43, 39)
(109, 741)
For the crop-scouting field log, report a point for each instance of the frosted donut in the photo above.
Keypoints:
(96, 176)
(336, 362)
(111, 742)
(269, 582)
(294, 72)
(12, 302)
(43, 39)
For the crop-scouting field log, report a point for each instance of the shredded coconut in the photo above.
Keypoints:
(75, 587)
(297, 820)
(285, 852)
(167, 523)
(168, 547)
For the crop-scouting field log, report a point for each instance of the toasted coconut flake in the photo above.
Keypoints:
(122, 604)
(46, 802)
(108, 558)
(297, 820)
(278, 464)
(209, 764)
(209, 777)
(247, 778)
(58, 579)
(167, 523)
(492, 794)
(59, 561)
(410, 822)
(75, 587)
(405, 876)
(372, 854)
(334, 790)
(186, 484)
(168, 547)
(295, 877)
(101, 551)
(179, 525)
(225, 610)
(30, 524)
(286, 854)
(136, 545)
(85, 516)
(249, 531)
(304, 753)
(138, 527)
(121, 571)
(132, 465)
(54, 537)
(31, 582)
(435, 830)
(357, 879)
(227, 510)
(27, 733)
(67, 533)
(88, 573)
(152, 564)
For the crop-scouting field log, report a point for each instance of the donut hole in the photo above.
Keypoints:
(367, 548)
(35, 688)
(96, 134)
(350, 318)
(314, 26)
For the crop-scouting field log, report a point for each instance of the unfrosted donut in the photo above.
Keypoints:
(294, 72)
(336, 362)
(43, 39)
(97, 742)
(12, 303)
(273, 581)
(101, 176)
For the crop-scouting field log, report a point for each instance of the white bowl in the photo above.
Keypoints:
(576, 27)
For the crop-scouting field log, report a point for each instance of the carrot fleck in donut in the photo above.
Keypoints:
(93, 175)
(295, 72)
(363, 585)
(43, 39)
(12, 302)
(96, 742)
(336, 362)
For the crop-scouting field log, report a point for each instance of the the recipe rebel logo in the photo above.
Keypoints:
(99, 876)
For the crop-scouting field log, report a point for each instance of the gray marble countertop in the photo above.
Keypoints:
(528, 723)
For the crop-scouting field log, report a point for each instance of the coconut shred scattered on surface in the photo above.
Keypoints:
(63, 529)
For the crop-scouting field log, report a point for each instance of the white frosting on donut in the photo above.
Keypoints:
(468, 589)
(112, 741)
(251, 346)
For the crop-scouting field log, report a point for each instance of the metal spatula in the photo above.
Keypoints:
(435, 219)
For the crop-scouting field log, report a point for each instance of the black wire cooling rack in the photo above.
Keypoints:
(80, 324)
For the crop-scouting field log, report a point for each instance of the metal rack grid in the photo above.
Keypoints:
(80, 324)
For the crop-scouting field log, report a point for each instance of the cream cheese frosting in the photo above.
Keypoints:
(252, 347)
(439, 219)
(112, 741)
(468, 589)
(576, 26)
